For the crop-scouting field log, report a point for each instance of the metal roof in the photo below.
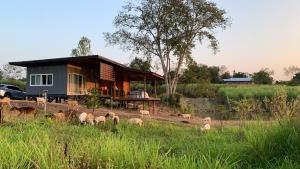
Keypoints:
(247, 79)
(86, 60)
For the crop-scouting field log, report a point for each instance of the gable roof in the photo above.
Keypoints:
(86, 60)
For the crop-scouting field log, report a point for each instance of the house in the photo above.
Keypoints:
(71, 77)
(247, 80)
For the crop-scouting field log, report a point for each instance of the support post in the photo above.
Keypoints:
(155, 89)
(145, 84)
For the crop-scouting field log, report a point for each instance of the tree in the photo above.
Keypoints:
(140, 64)
(83, 48)
(291, 70)
(195, 73)
(12, 72)
(264, 76)
(296, 79)
(225, 75)
(214, 74)
(239, 74)
(167, 30)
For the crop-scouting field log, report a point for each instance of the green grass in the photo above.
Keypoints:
(254, 91)
(42, 144)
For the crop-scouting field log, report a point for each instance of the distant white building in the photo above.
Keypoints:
(247, 80)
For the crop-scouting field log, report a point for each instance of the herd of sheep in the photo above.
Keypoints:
(89, 118)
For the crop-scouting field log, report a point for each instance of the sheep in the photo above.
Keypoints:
(40, 101)
(116, 120)
(185, 116)
(59, 116)
(100, 119)
(82, 117)
(73, 105)
(112, 114)
(136, 121)
(25, 110)
(206, 121)
(145, 112)
(90, 119)
(5, 101)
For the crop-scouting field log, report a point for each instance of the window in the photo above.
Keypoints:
(41, 80)
(76, 83)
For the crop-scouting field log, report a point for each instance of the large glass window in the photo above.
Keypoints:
(76, 83)
(41, 79)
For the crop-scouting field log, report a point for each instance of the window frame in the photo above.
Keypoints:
(41, 79)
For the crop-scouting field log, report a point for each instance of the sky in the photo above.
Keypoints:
(263, 33)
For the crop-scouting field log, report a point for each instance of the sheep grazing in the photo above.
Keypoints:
(116, 120)
(185, 116)
(73, 105)
(90, 119)
(145, 112)
(206, 121)
(5, 101)
(136, 121)
(112, 114)
(59, 116)
(82, 118)
(25, 110)
(40, 101)
(100, 119)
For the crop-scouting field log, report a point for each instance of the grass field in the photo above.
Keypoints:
(254, 91)
(47, 144)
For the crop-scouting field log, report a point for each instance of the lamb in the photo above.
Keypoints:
(5, 101)
(136, 121)
(185, 116)
(145, 112)
(40, 101)
(25, 110)
(206, 121)
(100, 119)
(73, 105)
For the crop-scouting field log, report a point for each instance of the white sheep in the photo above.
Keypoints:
(100, 119)
(145, 112)
(111, 114)
(83, 117)
(206, 121)
(136, 121)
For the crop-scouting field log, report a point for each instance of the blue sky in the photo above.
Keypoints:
(264, 33)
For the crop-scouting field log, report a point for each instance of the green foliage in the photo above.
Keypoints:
(295, 80)
(239, 74)
(225, 75)
(195, 73)
(264, 76)
(47, 144)
(21, 84)
(83, 48)
(8, 71)
(93, 100)
(140, 64)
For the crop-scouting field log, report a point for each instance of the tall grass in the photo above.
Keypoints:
(47, 144)
(255, 91)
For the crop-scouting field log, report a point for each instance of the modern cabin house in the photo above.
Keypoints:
(71, 77)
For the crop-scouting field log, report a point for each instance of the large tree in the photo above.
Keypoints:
(264, 76)
(83, 48)
(167, 30)
(195, 73)
(12, 72)
(141, 64)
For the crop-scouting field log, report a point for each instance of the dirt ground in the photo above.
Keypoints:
(162, 114)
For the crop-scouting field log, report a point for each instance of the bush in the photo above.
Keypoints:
(21, 84)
